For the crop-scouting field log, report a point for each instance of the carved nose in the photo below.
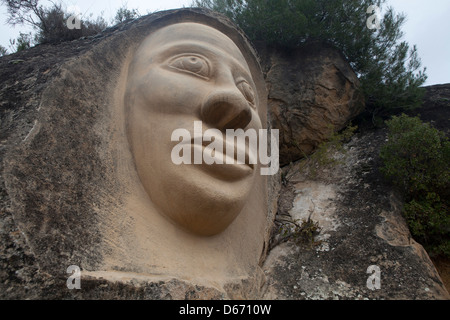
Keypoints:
(226, 109)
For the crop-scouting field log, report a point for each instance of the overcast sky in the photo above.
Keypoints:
(427, 26)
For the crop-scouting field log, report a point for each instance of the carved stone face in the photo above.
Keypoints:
(180, 74)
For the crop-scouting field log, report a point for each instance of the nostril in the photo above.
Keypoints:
(226, 111)
(241, 120)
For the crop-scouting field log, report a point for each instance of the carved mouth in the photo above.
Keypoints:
(223, 157)
(225, 166)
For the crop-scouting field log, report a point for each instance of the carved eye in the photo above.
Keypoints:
(195, 65)
(247, 91)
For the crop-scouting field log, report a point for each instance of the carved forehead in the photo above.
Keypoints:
(193, 32)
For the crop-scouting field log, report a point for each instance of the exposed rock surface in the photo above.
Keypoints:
(61, 197)
(362, 226)
(359, 214)
(312, 90)
(436, 107)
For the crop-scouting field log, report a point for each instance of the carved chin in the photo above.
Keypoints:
(202, 213)
(201, 207)
(206, 221)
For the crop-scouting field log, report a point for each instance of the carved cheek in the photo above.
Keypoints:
(165, 91)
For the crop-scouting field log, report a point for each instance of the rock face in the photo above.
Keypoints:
(59, 190)
(361, 226)
(70, 193)
(362, 230)
(436, 107)
(312, 90)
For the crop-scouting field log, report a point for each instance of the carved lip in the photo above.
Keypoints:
(237, 150)
(226, 171)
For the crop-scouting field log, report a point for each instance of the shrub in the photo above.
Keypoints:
(3, 51)
(302, 233)
(416, 159)
(50, 23)
(52, 27)
(23, 42)
(124, 14)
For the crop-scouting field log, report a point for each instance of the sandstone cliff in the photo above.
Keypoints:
(49, 179)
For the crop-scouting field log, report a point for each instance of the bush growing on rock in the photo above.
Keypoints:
(51, 23)
(52, 26)
(416, 159)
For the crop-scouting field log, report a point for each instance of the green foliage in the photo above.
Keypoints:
(50, 23)
(332, 144)
(123, 14)
(388, 68)
(3, 51)
(301, 232)
(429, 222)
(322, 157)
(23, 42)
(23, 11)
(416, 159)
(52, 26)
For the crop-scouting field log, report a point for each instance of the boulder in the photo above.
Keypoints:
(312, 91)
